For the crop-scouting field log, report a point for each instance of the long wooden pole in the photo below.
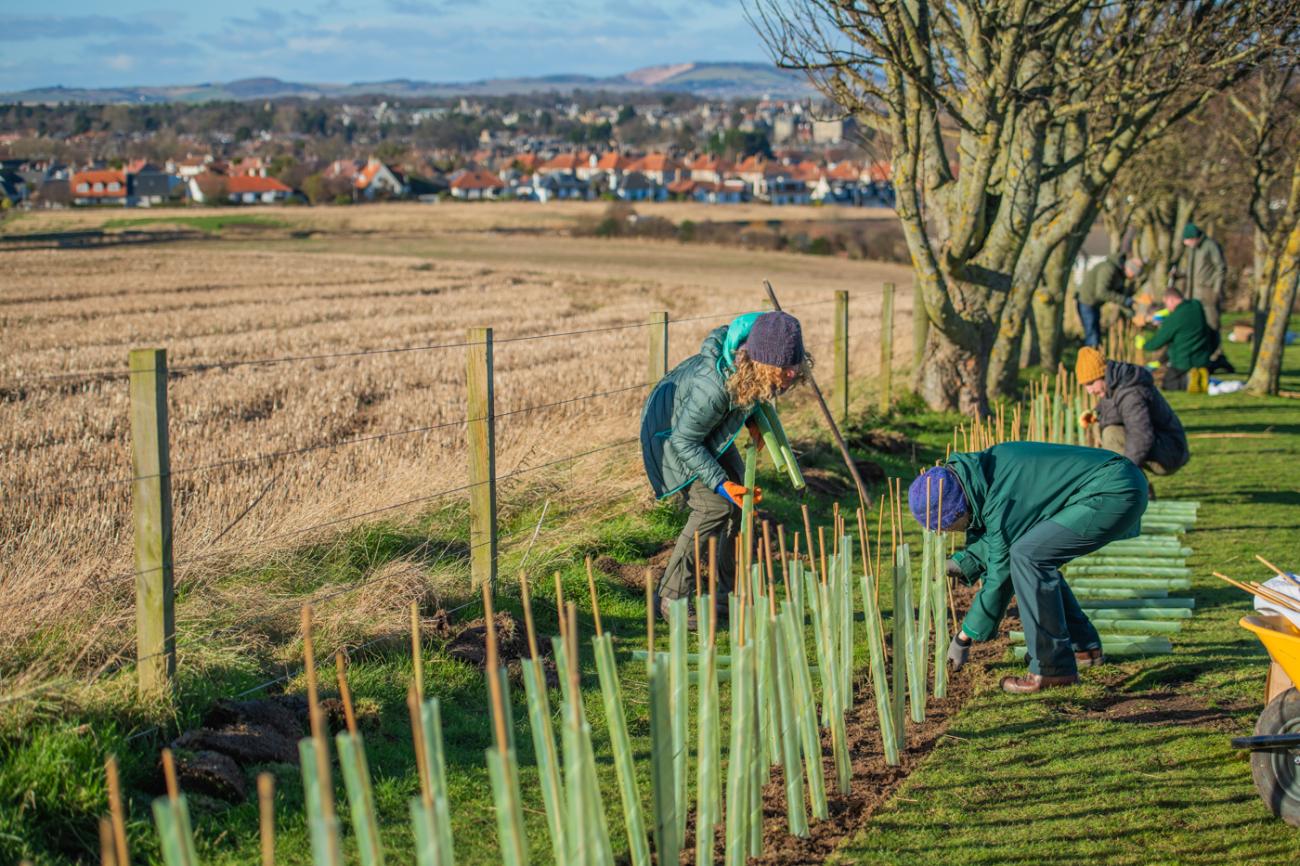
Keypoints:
(830, 420)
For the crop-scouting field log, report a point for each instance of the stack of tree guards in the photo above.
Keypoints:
(789, 670)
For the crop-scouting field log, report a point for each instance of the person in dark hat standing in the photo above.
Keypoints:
(689, 425)
(1027, 509)
(1202, 267)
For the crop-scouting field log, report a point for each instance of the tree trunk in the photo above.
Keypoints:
(1268, 364)
(953, 376)
(1003, 366)
(1029, 355)
(1049, 303)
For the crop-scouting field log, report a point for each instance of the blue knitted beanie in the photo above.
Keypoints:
(954, 498)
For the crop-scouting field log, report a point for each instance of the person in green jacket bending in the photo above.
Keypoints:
(1028, 508)
(1191, 341)
(689, 423)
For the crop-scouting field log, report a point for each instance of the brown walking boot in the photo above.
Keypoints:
(691, 623)
(1090, 658)
(1033, 683)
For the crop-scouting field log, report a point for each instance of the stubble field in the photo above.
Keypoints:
(318, 382)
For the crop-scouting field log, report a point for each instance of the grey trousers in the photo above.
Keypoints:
(1113, 439)
(711, 516)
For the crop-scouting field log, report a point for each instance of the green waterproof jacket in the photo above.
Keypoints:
(689, 419)
(1204, 268)
(1105, 281)
(1190, 340)
(1013, 487)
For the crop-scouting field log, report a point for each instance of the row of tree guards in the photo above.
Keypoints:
(788, 669)
(787, 664)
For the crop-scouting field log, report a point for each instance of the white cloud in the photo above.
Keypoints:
(120, 62)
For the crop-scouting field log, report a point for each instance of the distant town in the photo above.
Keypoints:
(531, 147)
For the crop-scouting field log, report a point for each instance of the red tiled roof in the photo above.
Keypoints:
(880, 171)
(751, 164)
(655, 162)
(683, 186)
(526, 161)
(245, 183)
(711, 163)
(103, 176)
(805, 171)
(614, 161)
(476, 178)
(564, 162)
(845, 171)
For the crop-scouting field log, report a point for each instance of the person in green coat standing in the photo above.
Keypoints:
(689, 424)
(1110, 280)
(1202, 267)
(1027, 509)
(1191, 341)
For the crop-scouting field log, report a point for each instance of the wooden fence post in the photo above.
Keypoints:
(151, 506)
(886, 347)
(841, 386)
(481, 431)
(658, 343)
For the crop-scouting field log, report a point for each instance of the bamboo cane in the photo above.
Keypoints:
(116, 812)
(266, 817)
(326, 846)
(539, 713)
(356, 776)
(501, 762)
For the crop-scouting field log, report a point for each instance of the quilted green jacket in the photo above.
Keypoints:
(688, 420)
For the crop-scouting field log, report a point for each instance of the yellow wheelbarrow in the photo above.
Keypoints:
(1275, 748)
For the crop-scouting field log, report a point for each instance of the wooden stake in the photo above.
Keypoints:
(345, 693)
(266, 816)
(649, 618)
(115, 810)
(417, 652)
(821, 549)
(767, 550)
(106, 843)
(808, 534)
(571, 651)
(559, 598)
(591, 585)
(713, 589)
(1279, 572)
(169, 776)
(317, 718)
(699, 579)
(493, 677)
(785, 566)
(421, 757)
(527, 602)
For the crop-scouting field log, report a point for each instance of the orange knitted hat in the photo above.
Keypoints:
(1089, 366)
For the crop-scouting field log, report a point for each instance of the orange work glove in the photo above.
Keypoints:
(1087, 419)
(736, 493)
(755, 434)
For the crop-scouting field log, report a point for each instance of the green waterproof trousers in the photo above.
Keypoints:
(1055, 626)
(712, 516)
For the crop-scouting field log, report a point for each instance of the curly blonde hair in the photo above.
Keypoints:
(753, 381)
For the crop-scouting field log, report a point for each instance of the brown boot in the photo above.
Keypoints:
(1090, 658)
(1032, 683)
(664, 604)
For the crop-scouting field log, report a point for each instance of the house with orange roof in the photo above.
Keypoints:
(659, 168)
(377, 180)
(840, 184)
(99, 186)
(565, 163)
(211, 188)
(473, 184)
(710, 168)
(607, 168)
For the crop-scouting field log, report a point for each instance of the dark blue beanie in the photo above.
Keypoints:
(954, 498)
(776, 339)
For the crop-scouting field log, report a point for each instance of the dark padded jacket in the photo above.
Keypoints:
(689, 420)
(1151, 429)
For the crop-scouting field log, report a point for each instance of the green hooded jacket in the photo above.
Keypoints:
(689, 420)
(1190, 340)
(1013, 487)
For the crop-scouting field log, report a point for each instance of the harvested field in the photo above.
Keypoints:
(270, 456)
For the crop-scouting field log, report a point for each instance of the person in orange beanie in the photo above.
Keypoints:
(1135, 418)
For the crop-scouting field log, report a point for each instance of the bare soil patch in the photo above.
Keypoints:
(1160, 708)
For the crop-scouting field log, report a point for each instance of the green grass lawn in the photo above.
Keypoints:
(1050, 779)
(210, 223)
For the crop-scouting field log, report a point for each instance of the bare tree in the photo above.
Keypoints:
(1009, 120)
(1269, 138)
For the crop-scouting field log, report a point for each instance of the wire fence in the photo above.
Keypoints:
(120, 583)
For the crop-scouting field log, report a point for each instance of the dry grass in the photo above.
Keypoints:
(414, 218)
(65, 546)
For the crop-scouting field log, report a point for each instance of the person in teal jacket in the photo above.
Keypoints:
(1028, 508)
(691, 419)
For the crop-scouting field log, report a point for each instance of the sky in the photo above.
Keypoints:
(78, 43)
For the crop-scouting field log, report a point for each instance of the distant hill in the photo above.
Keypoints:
(724, 80)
